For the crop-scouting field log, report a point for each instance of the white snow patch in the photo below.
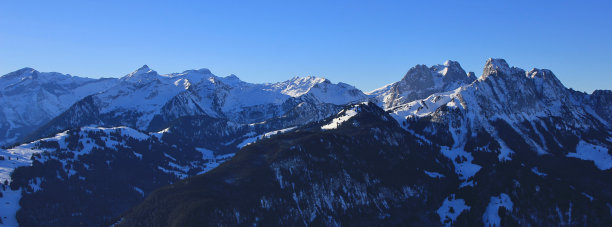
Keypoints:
(268, 134)
(125, 131)
(451, 209)
(588, 196)
(213, 160)
(504, 152)
(159, 134)
(137, 189)
(176, 173)
(590, 152)
(537, 172)
(491, 214)
(10, 206)
(254, 139)
(247, 141)
(462, 161)
(434, 174)
(348, 114)
(137, 155)
(9, 202)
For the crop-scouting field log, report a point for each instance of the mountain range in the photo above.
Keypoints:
(438, 147)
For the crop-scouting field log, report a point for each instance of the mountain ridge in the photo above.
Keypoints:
(490, 140)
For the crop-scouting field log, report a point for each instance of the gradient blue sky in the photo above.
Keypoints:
(364, 43)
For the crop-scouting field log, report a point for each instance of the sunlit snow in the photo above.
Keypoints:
(590, 152)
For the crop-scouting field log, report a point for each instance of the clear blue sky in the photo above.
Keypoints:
(367, 44)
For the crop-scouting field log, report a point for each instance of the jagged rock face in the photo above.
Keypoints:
(30, 98)
(600, 101)
(509, 123)
(502, 93)
(420, 82)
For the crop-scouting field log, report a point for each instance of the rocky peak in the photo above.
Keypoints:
(453, 72)
(418, 72)
(496, 66)
(541, 73)
(603, 93)
(417, 76)
(452, 64)
(471, 75)
(544, 75)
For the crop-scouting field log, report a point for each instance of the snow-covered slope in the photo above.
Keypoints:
(77, 164)
(420, 82)
(360, 167)
(30, 98)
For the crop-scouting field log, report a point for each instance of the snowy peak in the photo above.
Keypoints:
(418, 73)
(232, 77)
(496, 64)
(204, 71)
(326, 91)
(142, 74)
(321, 88)
(193, 73)
(27, 71)
(232, 80)
(32, 74)
(544, 74)
(452, 72)
(144, 69)
(298, 86)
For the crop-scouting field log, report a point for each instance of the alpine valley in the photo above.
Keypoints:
(440, 147)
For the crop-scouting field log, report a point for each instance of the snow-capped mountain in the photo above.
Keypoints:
(148, 101)
(420, 82)
(512, 95)
(534, 104)
(181, 123)
(30, 99)
(514, 147)
(439, 147)
(511, 121)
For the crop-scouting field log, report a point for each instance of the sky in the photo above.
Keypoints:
(364, 43)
